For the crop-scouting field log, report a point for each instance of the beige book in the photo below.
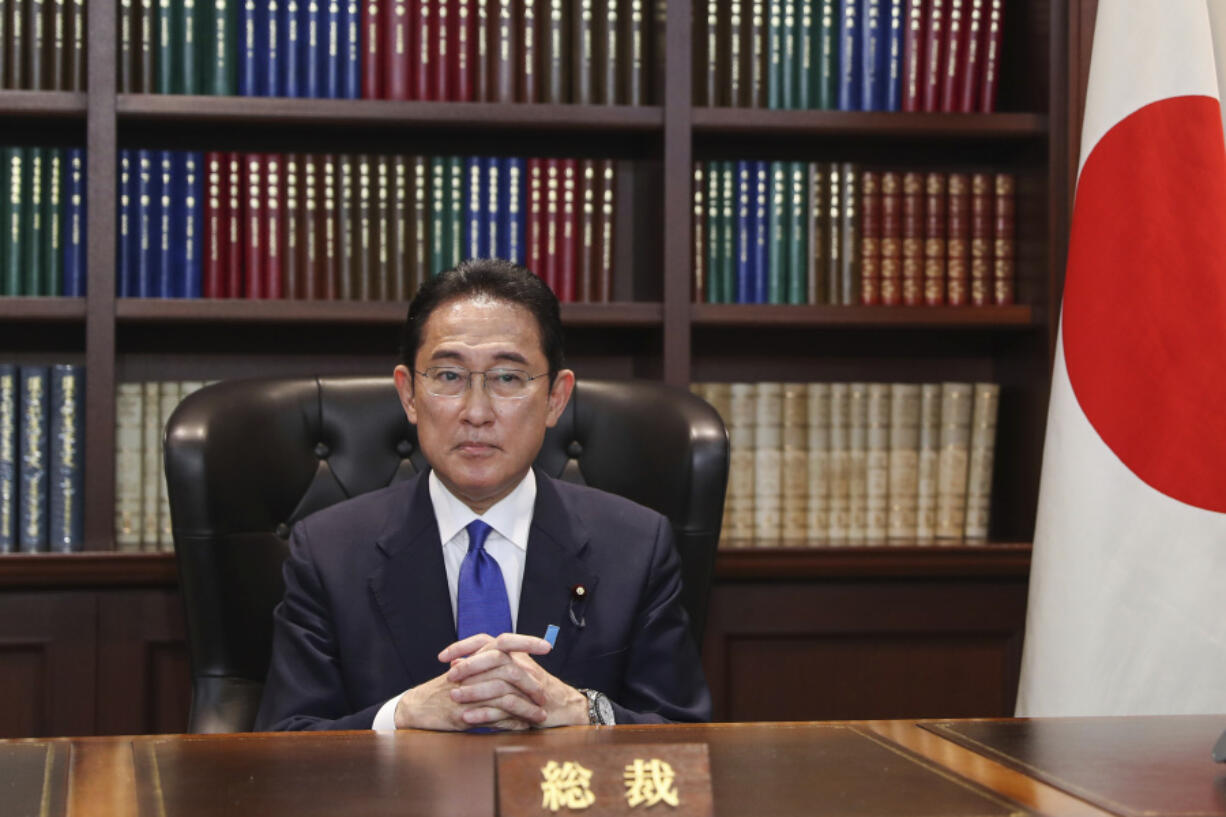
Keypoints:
(857, 464)
(877, 474)
(840, 467)
(929, 462)
(983, 451)
(795, 465)
(168, 399)
(768, 465)
(151, 465)
(817, 407)
(904, 461)
(743, 406)
(129, 401)
(719, 395)
(954, 459)
(186, 387)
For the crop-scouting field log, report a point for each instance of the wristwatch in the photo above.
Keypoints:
(599, 710)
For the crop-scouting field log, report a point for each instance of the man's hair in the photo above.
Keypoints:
(492, 278)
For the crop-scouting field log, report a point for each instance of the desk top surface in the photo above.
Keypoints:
(1077, 767)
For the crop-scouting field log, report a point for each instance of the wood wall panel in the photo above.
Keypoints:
(144, 683)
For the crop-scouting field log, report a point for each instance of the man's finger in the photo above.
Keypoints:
(519, 642)
(513, 678)
(465, 646)
(504, 706)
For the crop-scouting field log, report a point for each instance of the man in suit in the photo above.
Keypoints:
(422, 605)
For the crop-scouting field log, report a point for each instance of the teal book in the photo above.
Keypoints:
(52, 279)
(798, 233)
(777, 254)
(166, 64)
(804, 50)
(10, 213)
(189, 28)
(826, 57)
(220, 74)
(775, 93)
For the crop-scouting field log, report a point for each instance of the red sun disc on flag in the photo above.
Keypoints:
(1145, 297)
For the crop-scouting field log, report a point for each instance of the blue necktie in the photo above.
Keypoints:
(481, 599)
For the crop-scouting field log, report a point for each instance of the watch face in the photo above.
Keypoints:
(604, 710)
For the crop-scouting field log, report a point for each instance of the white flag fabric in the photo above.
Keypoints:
(1127, 611)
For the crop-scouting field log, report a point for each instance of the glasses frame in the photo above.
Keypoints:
(468, 382)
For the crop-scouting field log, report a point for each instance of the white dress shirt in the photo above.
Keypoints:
(509, 519)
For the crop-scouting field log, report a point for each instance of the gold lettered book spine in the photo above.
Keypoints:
(734, 48)
(857, 463)
(384, 230)
(33, 468)
(129, 423)
(849, 268)
(891, 238)
(870, 237)
(983, 454)
(834, 234)
(698, 293)
(795, 488)
(912, 239)
(1003, 274)
(636, 57)
(929, 463)
(364, 277)
(583, 53)
(401, 250)
(954, 462)
(329, 240)
(8, 457)
(983, 214)
(589, 232)
(840, 463)
(877, 476)
(311, 204)
(904, 461)
(528, 56)
(768, 464)
(817, 409)
(934, 239)
(421, 221)
(554, 55)
(608, 229)
(291, 262)
(346, 228)
(958, 240)
(743, 403)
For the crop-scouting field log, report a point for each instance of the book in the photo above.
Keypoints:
(1003, 247)
(768, 464)
(817, 515)
(819, 232)
(993, 37)
(10, 458)
(777, 234)
(66, 496)
(929, 463)
(608, 229)
(871, 222)
(934, 54)
(56, 12)
(891, 238)
(34, 454)
(954, 460)
(74, 222)
(873, 52)
(894, 55)
(934, 239)
(220, 77)
(145, 45)
(761, 233)
(253, 52)
(851, 56)
(982, 453)
(958, 239)
(839, 505)
(636, 59)
(849, 238)
(270, 81)
(805, 49)
(968, 92)
(346, 209)
(397, 59)
(826, 57)
(506, 42)
(834, 235)
(699, 232)
(328, 259)
(351, 50)
(877, 464)
(254, 225)
(421, 221)
(187, 242)
(151, 465)
(914, 55)
(588, 232)
(125, 264)
(169, 393)
(476, 214)
(400, 272)
(291, 223)
(741, 471)
(912, 238)
(372, 50)
(776, 94)
(582, 43)
(794, 489)
(483, 17)
(190, 34)
(366, 240)
(35, 45)
(955, 55)
(535, 224)
(233, 267)
(857, 463)
(34, 243)
(550, 246)
(554, 49)
(312, 56)
(983, 218)
(12, 162)
(216, 234)
(290, 41)
(330, 50)
(798, 234)
(464, 24)
(734, 47)
(51, 281)
(271, 260)
(381, 229)
(527, 73)
(514, 236)
(903, 488)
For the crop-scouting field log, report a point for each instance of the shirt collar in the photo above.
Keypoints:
(511, 516)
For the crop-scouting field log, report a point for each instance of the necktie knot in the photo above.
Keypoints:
(477, 532)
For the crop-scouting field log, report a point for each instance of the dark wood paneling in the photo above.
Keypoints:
(47, 660)
(144, 683)
(838, 649)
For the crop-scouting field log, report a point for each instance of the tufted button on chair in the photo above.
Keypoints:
(246, 459)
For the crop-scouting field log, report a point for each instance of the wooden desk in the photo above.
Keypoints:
(865, 769)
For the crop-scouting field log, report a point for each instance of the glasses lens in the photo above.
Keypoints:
(508, 383)
(447, 382)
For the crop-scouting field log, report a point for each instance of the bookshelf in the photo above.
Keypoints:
(652, 329)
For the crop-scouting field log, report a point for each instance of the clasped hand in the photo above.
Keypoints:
(493, 683)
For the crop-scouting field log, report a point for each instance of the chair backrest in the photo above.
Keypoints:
(246, 459)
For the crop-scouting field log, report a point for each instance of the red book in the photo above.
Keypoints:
(958, 262)
(870, 238)
(442, 67)
(955, 54)
(568, 230)
(912, 238)
(216, 237)
(934, 56)
(253, 220)
(465, 55)
(974, 56)
(982, 216)
(372, 63)
(234, 226)
(549, 251)
(1003, 246)
(991, 55)
(274, 232)
(913, 63)
(396, 55)
(533, 258)
(424, 36)
(891, 238)
(934, 240)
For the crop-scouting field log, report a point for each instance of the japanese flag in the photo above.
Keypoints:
(1127, 607)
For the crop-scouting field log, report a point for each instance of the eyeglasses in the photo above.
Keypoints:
(453, 381)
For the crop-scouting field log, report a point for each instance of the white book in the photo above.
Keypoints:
(743, 404)
(795, 491)
(954, 459)
(129, 425)
(929, 463)
(151, 465)
(857, 463)
(817, 406)
(768, 465)
(169, 392)
(877, 464)
(983, 452)
(904, 461)
(840, 466)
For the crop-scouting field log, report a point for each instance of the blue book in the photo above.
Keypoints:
(187, 224)
(9, 425)
(310, 31)
(849, 55)
(125, 261)
(351, 50)
(746, 213)
(761, 231)
(474, 208)
(35, 413)
(511, 245)
(144, 225)
(272, 79)
(74, 222)
(893, 56)
(163, 248)
(291, 48)
(250, 51)
(330, 49)
(66, 497)
(873, 46)
(491, 190)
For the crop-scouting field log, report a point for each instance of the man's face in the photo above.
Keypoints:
(481, 447)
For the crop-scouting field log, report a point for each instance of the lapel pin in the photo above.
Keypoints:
(578, 593)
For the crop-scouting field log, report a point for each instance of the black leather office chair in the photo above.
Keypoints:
(246, 459)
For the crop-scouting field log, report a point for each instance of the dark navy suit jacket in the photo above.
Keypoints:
(366, 608)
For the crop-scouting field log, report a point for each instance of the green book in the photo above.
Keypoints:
(455, 204)
(715, 224)
(826, 57)
(220, 78)
(775, 91)
(798, 233)
(10, 211)
(189, 23)
(147, 37)
(32, 241)
(438, 211)
(804, 56)
(776, 253)
(53, 225)
(166, 63)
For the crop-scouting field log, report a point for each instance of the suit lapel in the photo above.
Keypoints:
(554, 566)
(410, 587)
